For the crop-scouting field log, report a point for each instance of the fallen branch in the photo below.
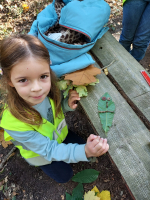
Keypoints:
(7, 157)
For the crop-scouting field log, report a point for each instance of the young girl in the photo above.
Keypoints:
(33, 116)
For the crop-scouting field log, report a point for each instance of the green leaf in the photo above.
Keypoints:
(86, 176)
(67, 91)
(78, 192)
(81, 90)
(63, 84)
(94, 83)
(68, 196)
(106, 118)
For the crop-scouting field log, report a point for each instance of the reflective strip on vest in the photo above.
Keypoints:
(38, 161)
(61, 125)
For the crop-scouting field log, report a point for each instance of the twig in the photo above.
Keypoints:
(108, 65)
(7, 157)
(106, 111)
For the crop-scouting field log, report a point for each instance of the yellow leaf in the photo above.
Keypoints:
(106, 71)
(25, 7)
(96, 190)
(105, 195)
(90, 196)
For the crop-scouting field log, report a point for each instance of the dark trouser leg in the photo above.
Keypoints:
(60, 171)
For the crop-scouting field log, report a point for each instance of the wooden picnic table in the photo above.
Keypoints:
(129, 136)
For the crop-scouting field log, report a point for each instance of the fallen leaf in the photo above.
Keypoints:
(90, 196)
(83, 76)
(25, 7)
(1, 135)
(6, 143)
(105, 195)
(96, 190)
(14, 194)
(106, 71)
(106, 109)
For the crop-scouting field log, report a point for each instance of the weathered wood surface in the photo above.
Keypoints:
(125, 70)
(128, 137)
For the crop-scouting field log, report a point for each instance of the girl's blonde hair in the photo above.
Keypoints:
(13, 50)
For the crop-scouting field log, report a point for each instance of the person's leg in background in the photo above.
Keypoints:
(60, 171)
(142, 35)
(132, 12)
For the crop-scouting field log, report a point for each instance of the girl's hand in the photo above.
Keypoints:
(73, 98)
(96, 146)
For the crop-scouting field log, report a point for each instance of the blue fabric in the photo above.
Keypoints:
(95, 16)
(60, 171)
(136, 27)
(88, 16)
(84, 60)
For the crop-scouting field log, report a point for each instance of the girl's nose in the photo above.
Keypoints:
(36, 87)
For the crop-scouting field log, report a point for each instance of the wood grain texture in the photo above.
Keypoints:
(125, 70)
(128, 137)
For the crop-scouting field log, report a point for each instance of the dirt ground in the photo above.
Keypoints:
(24, 182)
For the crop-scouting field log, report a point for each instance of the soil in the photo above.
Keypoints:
(20, 181)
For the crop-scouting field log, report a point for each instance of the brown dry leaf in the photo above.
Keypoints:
(1, 135)
(14, 194)
(6, 143)
(83, 76)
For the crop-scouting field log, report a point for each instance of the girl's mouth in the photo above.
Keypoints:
(37, 97)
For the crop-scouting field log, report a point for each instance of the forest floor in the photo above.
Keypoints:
(20, 181)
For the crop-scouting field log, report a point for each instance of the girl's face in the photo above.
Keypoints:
(31, 79)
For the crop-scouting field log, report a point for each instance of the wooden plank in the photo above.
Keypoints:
(125, 70)
(128, 137)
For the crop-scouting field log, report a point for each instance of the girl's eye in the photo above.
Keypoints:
(23, 80)
(44, 76)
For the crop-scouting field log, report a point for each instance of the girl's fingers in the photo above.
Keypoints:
(102, 151)
(91, 138)
(101, 146)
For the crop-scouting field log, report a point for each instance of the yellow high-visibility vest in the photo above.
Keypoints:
(47, 129)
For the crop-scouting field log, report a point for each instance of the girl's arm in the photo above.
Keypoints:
(49, 149)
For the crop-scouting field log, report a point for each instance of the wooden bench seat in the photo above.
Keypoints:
(125, 70)
(129, 138)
